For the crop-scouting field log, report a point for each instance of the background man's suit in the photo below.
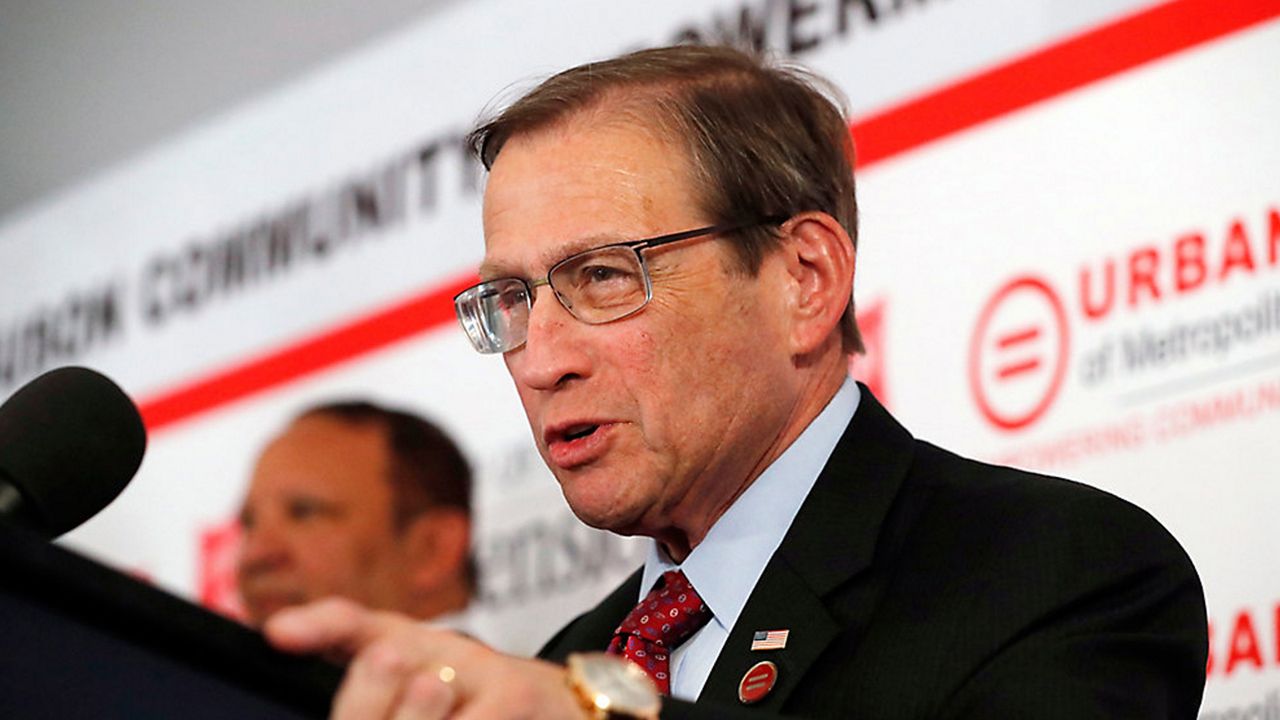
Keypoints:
(916, 583)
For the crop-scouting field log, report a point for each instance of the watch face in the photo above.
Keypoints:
(617, 684)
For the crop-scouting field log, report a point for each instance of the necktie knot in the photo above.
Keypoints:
(666, 617)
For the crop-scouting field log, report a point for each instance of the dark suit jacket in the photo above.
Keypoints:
(919, 584)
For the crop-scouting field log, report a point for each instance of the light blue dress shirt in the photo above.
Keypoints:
(725, 566)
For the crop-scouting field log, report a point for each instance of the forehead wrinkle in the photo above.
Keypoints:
(630, 215)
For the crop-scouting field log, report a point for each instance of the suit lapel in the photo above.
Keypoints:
(831, 543)
(775, 604)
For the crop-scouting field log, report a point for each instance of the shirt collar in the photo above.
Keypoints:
(725, 566)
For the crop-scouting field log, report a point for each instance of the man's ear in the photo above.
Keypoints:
(437, 544)
(820, 262)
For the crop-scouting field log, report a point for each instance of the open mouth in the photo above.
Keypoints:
(576, 444)
(579, 431)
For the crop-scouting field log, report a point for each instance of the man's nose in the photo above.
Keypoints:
(554, 352)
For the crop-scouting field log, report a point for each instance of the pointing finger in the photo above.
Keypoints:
(333, 626)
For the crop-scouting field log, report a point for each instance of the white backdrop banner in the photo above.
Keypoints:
(1070, 262)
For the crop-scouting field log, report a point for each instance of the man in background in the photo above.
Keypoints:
(363, 502)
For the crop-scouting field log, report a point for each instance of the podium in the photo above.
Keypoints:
(79, 640)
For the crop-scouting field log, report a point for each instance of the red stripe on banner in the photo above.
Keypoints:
(1053, 70)
(402, 320)
(1057, 69)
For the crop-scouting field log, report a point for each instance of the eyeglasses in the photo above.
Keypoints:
(596, 286)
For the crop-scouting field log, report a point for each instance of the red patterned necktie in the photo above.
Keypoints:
(666, 617)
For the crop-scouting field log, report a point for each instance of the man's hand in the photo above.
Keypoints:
(403, 670)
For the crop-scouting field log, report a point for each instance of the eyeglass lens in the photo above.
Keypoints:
(600, 285)
(495, 314)
(596, 286)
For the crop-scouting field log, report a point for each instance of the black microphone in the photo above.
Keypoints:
(70, 441)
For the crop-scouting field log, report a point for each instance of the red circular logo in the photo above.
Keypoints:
(758, 682)
(1018, 353)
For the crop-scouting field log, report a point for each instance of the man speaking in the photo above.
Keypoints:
(670, 243)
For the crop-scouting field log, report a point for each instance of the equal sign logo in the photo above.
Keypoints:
(1018, 353)
(1009, 343)
(757, 683)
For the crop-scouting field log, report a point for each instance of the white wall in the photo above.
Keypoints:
(86, 84)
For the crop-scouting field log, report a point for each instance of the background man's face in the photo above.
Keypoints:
(678, 396)
(318, 520)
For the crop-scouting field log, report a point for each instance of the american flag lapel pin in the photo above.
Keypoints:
(769, 640)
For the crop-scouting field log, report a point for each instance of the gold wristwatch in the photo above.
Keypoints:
(612, 688)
